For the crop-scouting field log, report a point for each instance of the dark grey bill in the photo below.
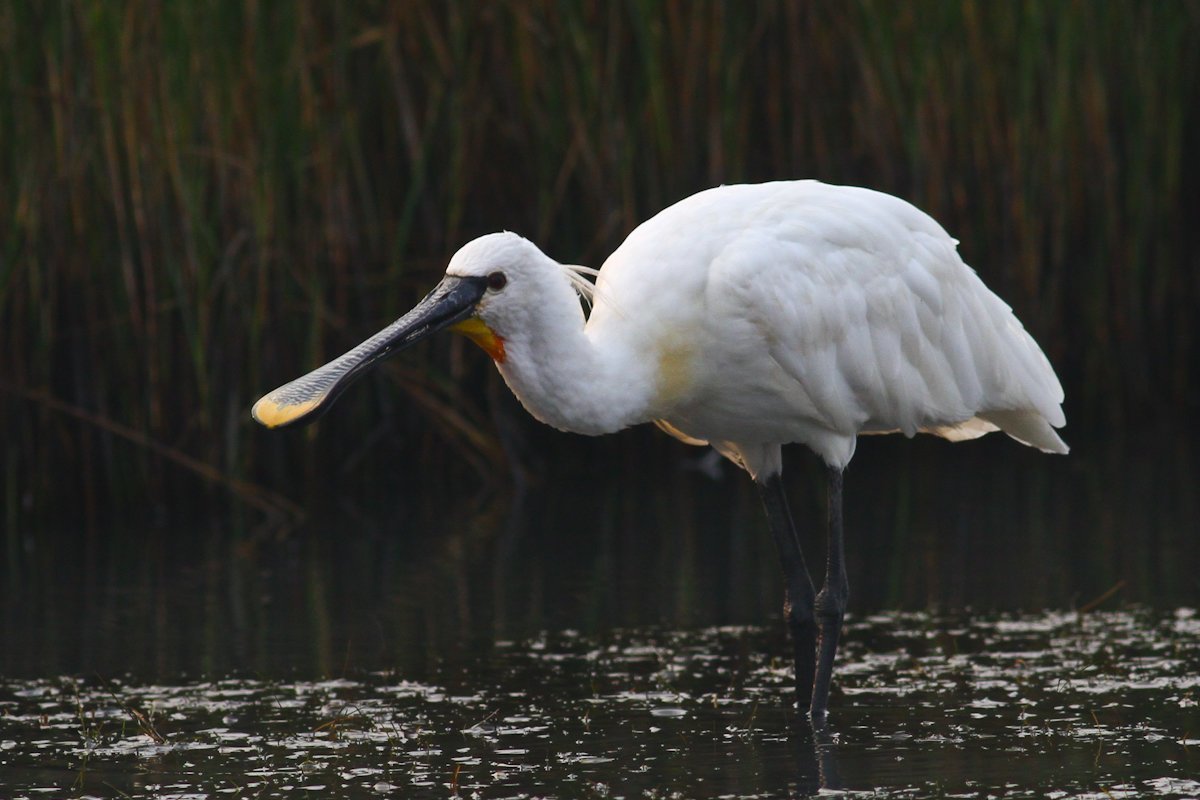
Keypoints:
(307, 397)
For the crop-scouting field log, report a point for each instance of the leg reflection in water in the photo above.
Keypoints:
(816, 757)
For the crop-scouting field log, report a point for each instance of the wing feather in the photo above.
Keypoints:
(868, 307)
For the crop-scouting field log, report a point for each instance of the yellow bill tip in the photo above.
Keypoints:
(274, 415)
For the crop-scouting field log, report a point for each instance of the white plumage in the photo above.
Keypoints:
(747, 317)
(752, 316)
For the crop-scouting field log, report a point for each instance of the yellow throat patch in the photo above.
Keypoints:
(478, 332)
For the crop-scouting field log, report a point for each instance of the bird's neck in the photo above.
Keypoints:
(570, 381)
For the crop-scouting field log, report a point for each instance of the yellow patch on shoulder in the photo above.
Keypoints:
(478, 332)
(267, 412)
(674, 370)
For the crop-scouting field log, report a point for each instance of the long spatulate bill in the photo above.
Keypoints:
(307, 397)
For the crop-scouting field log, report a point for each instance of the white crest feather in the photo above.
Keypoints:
(585, 288)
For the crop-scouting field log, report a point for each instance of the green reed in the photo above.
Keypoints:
(199, 201)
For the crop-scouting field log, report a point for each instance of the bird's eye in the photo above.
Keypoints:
(497, 281)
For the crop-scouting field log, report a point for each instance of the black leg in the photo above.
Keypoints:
(798, 601)
(831, 602)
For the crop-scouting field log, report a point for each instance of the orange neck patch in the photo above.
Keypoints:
(478, 332)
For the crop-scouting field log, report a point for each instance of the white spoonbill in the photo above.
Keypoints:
(745, 317)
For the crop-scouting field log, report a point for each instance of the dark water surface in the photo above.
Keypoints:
(621, 637)
(1048, 704)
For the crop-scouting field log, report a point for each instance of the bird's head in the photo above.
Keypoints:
(513, 272)
(489, 289)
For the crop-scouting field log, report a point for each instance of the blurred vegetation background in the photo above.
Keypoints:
(202, 200)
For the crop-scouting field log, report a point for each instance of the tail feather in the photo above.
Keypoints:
(1028, 427)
